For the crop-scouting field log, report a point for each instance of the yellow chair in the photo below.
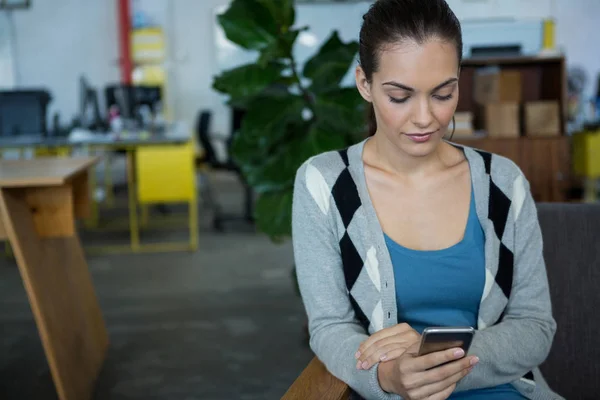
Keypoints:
(163, 174)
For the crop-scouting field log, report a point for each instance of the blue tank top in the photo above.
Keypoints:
(444, 288)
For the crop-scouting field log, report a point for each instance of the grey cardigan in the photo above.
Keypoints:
(347, 283)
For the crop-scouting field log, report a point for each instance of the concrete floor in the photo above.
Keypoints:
(221, 323)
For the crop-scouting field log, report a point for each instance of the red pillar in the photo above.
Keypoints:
(124, 18)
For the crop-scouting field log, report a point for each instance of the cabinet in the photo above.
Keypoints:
(544, 161)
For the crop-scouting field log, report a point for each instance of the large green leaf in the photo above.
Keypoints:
(248, 80)
(249, 24)
(322, 139)
(266, 134)
(278, 169)
(275, 209)
(282, 11)
(267, 118)
(328, 67)
(274, 214)
(280, 49)
(342, 110)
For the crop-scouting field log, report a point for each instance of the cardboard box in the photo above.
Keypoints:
(510, 86)
(542, 118)
(463, 124)
(496, 86)
(502, 120)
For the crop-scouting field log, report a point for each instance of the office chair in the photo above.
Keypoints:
(210, 158)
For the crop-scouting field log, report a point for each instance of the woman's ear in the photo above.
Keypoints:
(362, 84)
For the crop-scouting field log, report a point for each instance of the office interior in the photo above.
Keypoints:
(141, 256)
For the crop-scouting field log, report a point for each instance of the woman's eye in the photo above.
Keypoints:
(443, 98)
(396, 100)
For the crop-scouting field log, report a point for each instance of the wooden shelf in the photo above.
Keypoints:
(485, 61)
(545, 161)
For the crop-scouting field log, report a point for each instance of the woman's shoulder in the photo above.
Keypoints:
(329, 164)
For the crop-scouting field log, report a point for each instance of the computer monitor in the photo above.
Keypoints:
(128, 98)
(23, 112)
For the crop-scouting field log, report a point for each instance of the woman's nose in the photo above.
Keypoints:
(422, 116)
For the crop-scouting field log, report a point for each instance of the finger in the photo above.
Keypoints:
(382, 334)
(401, 346)
(432, 360)
(444, 394)
(439, 374)
(440, 387)
(382, 353)
(374, 352)
(394, 354)
(443, 376)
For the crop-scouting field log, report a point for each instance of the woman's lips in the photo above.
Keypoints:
(420, 137)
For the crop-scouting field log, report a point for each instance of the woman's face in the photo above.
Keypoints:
(414, 93)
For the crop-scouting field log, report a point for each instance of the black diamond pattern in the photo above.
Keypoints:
(504, 276)
(498, 209)
(500, 318)
(487, 161)
(344, 155)
(360, 315)
(351, 260)
(346, 196)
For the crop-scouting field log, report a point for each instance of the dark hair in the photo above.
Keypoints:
(391, 21)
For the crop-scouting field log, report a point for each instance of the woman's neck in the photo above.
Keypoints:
(394, 160)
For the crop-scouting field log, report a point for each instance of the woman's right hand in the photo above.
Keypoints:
(424, 377)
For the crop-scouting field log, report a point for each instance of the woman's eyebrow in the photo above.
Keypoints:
(409, 89)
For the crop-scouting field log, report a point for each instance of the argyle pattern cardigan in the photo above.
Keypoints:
(347, 285)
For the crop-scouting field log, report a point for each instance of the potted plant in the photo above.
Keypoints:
(292, 112)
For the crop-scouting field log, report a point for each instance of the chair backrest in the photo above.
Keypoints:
(571, 235)
(203, 132)
(237, 116)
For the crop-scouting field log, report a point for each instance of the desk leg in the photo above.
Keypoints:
(134, 226)
(61, 295)
(108, 181)
(4, 237)
(93, 218)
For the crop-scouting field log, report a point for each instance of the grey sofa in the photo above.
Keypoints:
(572, 251)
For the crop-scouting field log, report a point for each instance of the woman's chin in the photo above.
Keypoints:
(419, 148)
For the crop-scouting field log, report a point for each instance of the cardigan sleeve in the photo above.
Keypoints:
(522, 340)
(335, 334)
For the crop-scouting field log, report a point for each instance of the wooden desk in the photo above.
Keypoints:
(39, 202)
(153, 162)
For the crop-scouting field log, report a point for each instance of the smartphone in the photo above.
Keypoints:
(443, 338)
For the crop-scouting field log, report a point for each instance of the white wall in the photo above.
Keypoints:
(194, 62)
(7, 68)
(577, 34)
(58, 40)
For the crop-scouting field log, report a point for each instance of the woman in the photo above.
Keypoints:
(404, 231)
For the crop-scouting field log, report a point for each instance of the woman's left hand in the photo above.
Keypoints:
(385, 345)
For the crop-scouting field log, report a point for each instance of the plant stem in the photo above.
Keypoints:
(303, 90)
